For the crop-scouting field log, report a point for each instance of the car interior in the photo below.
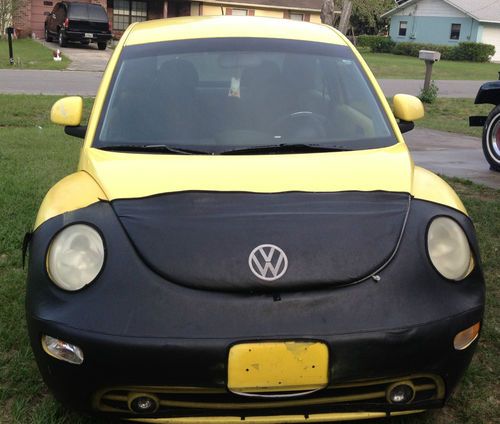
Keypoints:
(241, 99)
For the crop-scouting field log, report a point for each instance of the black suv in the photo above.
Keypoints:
(81, 22)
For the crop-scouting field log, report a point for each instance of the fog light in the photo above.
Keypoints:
(400, 393)
(465, 338)
(62, 350)
(143, 403)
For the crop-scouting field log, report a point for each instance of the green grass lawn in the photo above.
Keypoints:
(34, 154)
(29, 54)
(390, 66)
(452, 115)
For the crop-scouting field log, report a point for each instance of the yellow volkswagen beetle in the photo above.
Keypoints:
(247, 238)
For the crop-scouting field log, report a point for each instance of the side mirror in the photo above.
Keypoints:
(68, 111)
(407, 109)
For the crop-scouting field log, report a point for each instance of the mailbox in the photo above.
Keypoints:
(430, 58)
(429, 55)
(10, 31)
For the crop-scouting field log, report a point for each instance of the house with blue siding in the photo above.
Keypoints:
(446, 22)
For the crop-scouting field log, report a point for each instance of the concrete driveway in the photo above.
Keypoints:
(83, 58)
(452, 155)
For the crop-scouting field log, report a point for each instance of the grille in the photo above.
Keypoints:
(198, 401)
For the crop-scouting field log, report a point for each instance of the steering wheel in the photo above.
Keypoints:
(301, 124)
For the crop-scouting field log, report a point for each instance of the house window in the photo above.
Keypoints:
(296, 16)
(403, 25)
(240, 12)
(455, 31)
(126, 12)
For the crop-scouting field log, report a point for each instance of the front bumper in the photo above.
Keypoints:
(189, 376)
(143, 334)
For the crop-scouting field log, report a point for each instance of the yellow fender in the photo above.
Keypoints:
(73, 192)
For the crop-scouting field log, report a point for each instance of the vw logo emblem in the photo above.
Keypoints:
(268, 262)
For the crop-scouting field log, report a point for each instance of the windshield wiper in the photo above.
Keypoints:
(286, 148)
(152, 148)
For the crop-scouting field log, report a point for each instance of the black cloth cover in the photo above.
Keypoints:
(204, 239)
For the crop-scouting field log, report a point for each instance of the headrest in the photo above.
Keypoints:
(178, 72)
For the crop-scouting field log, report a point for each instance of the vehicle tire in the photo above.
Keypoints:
(47, 36)
(491, 139)
(62, 40)
(101, 46)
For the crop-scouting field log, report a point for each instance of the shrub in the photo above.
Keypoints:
(474, 52)
(429, 95)
(383, 45)
(447, 52)
(367, 40)
(466, 51)
(376, 43)
(412, 49)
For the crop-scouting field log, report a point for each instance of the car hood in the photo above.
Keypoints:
(135, 175)
(260, 223)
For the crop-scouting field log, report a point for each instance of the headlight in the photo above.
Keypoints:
(75, 257)
(449, 249)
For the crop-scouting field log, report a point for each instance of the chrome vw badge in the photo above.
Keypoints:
(268, 262)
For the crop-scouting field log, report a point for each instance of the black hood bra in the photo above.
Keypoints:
(265, 242)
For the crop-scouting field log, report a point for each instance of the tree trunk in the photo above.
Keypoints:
(345, 16)
(327, 12)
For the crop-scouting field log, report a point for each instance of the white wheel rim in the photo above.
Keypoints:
(493, 139)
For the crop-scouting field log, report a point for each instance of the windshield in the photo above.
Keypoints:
(237, 94)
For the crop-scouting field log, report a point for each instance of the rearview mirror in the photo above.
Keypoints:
(407, 109)
(68, 111)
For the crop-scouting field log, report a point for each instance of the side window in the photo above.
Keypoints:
(240, 12)
(296, 16)
(61, 12)
(455, 31)
(403, 25)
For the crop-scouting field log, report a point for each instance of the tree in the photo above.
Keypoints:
(328, 15)
(366, 18)
(361, 16)
(327, 12)
(8, 9)
(345, 16)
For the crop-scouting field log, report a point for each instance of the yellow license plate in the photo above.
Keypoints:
(277, 367)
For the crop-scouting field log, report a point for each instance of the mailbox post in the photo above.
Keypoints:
(10, 31)
(430, 57)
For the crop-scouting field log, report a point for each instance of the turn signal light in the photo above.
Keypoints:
(62, 350)
(465, 338)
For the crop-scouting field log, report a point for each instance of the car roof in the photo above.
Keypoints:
(186, 28)
(80, 3)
